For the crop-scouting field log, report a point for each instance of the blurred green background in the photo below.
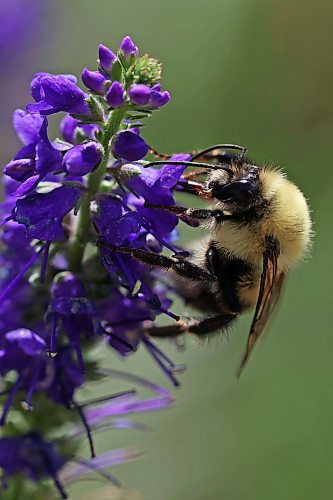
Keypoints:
(257, 73)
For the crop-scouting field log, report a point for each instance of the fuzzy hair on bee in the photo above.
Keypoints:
(258, 228)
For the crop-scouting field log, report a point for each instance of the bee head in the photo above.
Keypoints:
(241, 187)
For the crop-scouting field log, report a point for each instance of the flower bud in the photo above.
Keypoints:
(115, 95)
(139, 94)
(106, 57)
(93, 80)
(20, 169)
(159, 99)
(148, 70)
(128, 47)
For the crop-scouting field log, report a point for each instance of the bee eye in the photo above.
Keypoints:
(239, 191)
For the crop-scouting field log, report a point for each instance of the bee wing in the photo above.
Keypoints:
(271, 284)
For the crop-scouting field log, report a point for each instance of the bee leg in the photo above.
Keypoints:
(192, 213)
(162, 156)
(179, 265)
(201, 328)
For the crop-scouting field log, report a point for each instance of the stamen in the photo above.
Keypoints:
(52, 351)
(122, 341)
(44, 262)
(103, 473)
(17, 278)
(170, 314)
(9, 401)
(156, 354)
(26, 404)
(79, 355)
(130, 392)
(86, 426)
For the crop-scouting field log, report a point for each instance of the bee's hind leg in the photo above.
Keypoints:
(201, 328)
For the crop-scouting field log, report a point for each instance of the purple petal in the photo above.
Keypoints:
(93, 80)
(170, 174)
(27, 126)
(139, 94)
(59, 94)
(83, 158)
(31, 343)
(27, 186)
(106, 57)
(42, 214)
(67, 127)
(129, 146)
(19, 170)
(128, 47)
(159, 99)
(115, 95)
(35, 86)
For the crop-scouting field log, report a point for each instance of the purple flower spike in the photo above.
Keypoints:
(83, 158)
(115, 95)
(128, 47)
(59, 93)
(129, 146)
(106, 57)
(42, 214)
(93, 80)
(140, 94)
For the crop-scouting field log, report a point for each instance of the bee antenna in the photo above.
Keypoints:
(188, 164)
(242, 150)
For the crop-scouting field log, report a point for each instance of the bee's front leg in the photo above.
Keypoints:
(181, 266)
(196, 214)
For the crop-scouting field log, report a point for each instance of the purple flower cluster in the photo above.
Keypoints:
(61, 290)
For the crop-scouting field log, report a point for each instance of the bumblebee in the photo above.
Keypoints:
(259, 227)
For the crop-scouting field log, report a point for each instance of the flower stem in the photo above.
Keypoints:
(81, 237)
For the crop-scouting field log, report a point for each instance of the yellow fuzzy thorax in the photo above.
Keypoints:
(287, 219)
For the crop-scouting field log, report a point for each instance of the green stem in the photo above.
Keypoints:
(81, 237)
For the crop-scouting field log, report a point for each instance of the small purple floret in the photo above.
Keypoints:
(93, 80)
(106, 57)
(129, 146)
(83, 158)
(58, 93)
(128, 47)
(115, 95)
(42, 214)
(139, 94)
